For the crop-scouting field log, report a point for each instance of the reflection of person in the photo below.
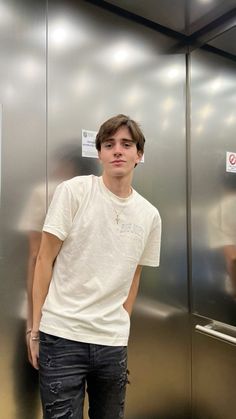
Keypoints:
(32, 223)
(67, 163)
(26, 378)
(222, 234)
(97, 235)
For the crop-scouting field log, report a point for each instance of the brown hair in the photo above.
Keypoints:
(110, 127)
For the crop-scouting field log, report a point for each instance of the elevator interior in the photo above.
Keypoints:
(69, 65)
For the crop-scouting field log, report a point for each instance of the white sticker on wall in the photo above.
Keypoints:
(230, 162)
(88, 144)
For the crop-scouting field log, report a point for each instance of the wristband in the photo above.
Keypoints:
(35, 338)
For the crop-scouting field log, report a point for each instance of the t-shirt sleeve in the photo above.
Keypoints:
(33, 216)
(61, 212)
(151, 253)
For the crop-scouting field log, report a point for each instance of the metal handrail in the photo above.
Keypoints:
(208, 329)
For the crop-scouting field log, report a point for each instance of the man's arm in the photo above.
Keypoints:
(49, 249)
(129, 303)
(34, 240)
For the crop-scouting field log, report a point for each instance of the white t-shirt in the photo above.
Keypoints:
(95, 267)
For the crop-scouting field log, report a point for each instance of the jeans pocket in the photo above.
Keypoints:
(47, 339)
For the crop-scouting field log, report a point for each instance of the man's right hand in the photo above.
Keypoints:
(27, 341)
(34, 351)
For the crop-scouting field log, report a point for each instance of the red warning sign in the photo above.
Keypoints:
(230, 162)
(232, 159)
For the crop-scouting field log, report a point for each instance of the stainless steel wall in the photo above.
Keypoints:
(213, 91)
(98, 65)
(23, 98)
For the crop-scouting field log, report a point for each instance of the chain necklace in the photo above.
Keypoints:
(117, 219)
(118, 213)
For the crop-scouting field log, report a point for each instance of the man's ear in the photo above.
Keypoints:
(140, 155)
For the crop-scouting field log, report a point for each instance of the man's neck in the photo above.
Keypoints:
(120, 186)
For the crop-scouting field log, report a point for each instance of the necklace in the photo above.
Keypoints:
(109, 195)
(118, 213)
(117, 219)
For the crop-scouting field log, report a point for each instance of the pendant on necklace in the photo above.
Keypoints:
(117, 219)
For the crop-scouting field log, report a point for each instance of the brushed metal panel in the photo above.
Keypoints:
(226, 41)
(181, 15)
(203, 13)
(213, 189)
(99, 65)
(214, 369)
(165, 12)
(22, 95)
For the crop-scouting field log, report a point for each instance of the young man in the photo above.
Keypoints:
(97, 235)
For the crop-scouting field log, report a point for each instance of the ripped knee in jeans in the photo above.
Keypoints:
(59, 409)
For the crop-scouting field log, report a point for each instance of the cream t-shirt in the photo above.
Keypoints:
(95, 267)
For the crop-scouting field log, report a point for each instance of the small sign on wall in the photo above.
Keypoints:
(88, 144)
(230, 162)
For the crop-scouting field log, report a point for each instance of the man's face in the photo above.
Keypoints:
(119, 154)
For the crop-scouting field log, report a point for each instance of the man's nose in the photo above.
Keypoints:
(117, 149)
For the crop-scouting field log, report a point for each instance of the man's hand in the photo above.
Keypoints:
(34, 350)
(129, 303)
(27, 341)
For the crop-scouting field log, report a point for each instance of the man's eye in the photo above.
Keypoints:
(127, 145)
(107, 145)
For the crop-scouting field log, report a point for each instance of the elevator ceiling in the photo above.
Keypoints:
(211, 21)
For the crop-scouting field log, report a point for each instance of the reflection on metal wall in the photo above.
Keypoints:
(213, 236)
(213, 370)
(213, 189)
(98, 65)
(22, 95)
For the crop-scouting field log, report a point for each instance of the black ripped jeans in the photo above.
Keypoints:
(66, 367)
